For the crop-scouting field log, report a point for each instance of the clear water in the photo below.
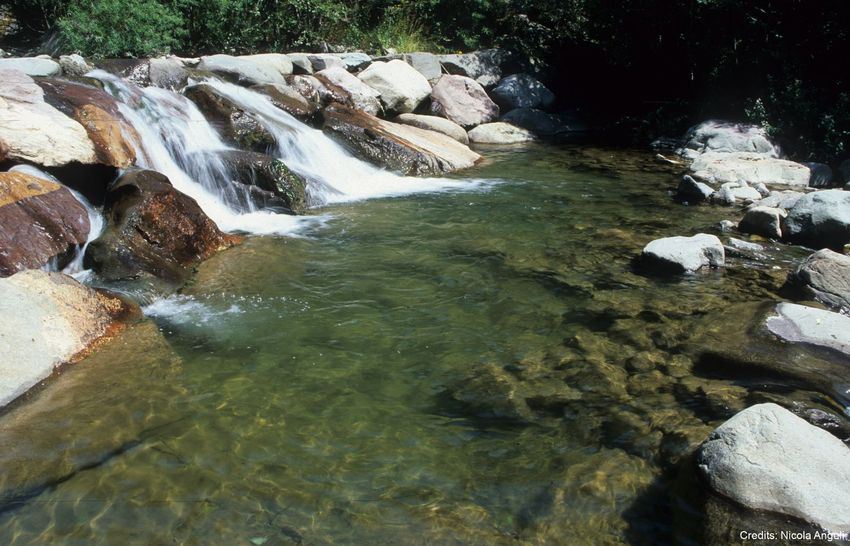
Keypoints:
(465, 367)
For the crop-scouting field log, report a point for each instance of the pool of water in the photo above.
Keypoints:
(465, 367)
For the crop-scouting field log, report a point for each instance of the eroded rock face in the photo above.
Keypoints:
(683, 254)
(48, 319)
(74, 65)
(405, 149)
(401, 87)
(727, 137)
(767, 458)
(39, 220)
(820, 219)
(33, 131)
(153, 230)
(463, 101)
(270, 175)
(825, 275)
(237, 127)
(426, 64)
(753, 168)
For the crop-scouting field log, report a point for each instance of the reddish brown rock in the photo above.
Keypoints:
(39, 220)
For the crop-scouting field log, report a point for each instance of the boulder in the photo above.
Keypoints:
(400, 86)
(521, 91)
(821, 175)
(825, 276)
(741, 191)
(300, 63)
(402, 148)
(542, 123)
(727, 137)
(97, 111)
(723, 196)
(499, 132)
(323, 61)
(765, 221)
(33, 131)
(39, 221)
(716, 167)
(74, 65)
(236, 126)
(820, 220)
(463, 101)
(683, 254)
(242, 70)
(317, 94)
(355, 60)
(153, 230)
(135, 71)
(426, 64)
(801, 324)
(276, 63)
(767, 458)
(361, 96)
(288, 99)
(270, 175)
(32, 66)
(692, 191)
(781, 199)
(434, 123)
(482, 66)
(168, 73)
(49, 319)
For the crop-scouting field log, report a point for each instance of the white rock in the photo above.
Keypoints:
(499, 132)
(402, 87)
(32, 66)
(764, 221)
(74, 65)
(434, 123)
(245, 70)
(362, 96)
(727, 137)
(685, 254)
(801, 324)
(271, 62)
(751, 167)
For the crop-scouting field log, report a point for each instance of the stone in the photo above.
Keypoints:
(32, 131)
(434, 123)
(727, 137)
(153, 230)
(135, 71)
(300, 63)
(401, 148)
(39, 221)
(762, 189)
(271, 62)
(482, 66)
(821, 175)
(727, 225)
(521, 91)
(717, 167)
(463, 101)
(316, 93)
(242, 70)
(542, 123)
(820, 220)
(401, 87)
(236, 126)
(825, 276)
(765, 221)
(684, 254)
(168, 73)
(355, 60)
(288, 99)
(743, 192)
(692, 191)
(767, 458)
(426, 64)
(74, 65)
(810, 326)
(46, 320)
(269, 174)
(499, 132)
(323, 61)
(723, 196)
(738, 244)
(781, 199)
(32, 66)
(361, 96)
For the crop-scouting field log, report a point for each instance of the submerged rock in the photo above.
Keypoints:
(39, 220)
(48, 319)
(751, 167)
(825, 275)
(767, 458)
(499, 132)
(401, 87)
(683, 254)
(236, 126)
(820, 219)
(764, 221)
(405, 149)
(434, 123)
(153, 230)
(802, 324)
(463, 101)
(521, 91)
(727, 137)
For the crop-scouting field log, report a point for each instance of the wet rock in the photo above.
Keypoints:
(825, 276)
(463, 101)
(360, 95)
(744, 249)
(499, 132)
(289, 100)
(237, 127)
(74, 65)
(820, 219)
(802, 324)
(39, 220)
(275, 63)
(242, 70)
(491, 392)
(32, 66)
(401, 87)
(168, 73)
(48, 319)
(482, 66)
(135, 71)
(426, 64)
(434, 123)
(316, 93)
(692, 191)
(543, 124)
(821, 175)
(33, 131)
(153, 229)
(683, 254)
(763, 221)
(726, 137)
(521, 91)
(402, 148)
(766, 458)
(269, 174)
(720, 168)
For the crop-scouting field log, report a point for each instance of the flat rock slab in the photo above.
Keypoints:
(801, 324)
(767, 458)
(684, 254)
(721, 167)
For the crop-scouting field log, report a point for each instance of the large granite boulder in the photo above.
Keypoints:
(402, 148)
(242, 70)
(35, 132)
(153, 230)
(401, 87)
(236, 126)
(521, 91)
(754, 168)
(483, 66)
(499, 132)
(275, 63)
(765, 221)
(39, 221)
(434, 123)
(323, 61)
(683, 254)
(46, 320)
(32, 66)
(825, 276)
(463, 101)
(168, 73)
(426, 64)
(808, 325)
(361, 96)
(820, 220)
(727, 137)
(767, 458)
(355, 60)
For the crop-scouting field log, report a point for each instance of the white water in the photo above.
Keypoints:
(97, 223)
